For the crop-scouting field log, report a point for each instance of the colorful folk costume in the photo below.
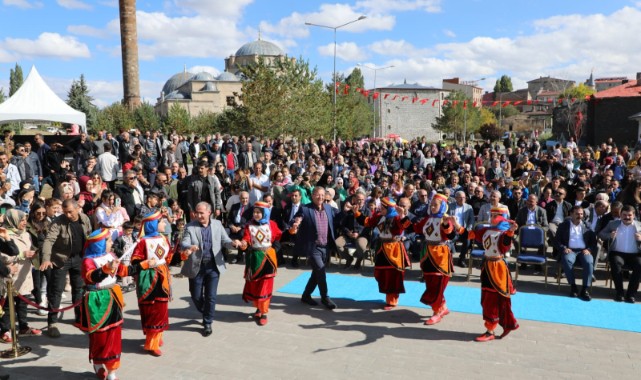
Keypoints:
(391, 258)
(153, 283)
(261, 264)
(101, 309)
(436, 258)
(496, 281)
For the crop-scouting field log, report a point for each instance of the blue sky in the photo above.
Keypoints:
(425, 40)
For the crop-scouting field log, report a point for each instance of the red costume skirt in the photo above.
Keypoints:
(154, 316)
(105, 346)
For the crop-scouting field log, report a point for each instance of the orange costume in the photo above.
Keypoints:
(153, 287)
(436, 259)
(496, 281)
(391, 259)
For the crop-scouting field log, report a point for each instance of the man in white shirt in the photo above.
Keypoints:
(108, 166)
(464, 214)
(259, 183)
(575, 241)
(625, 240)
(10, 171)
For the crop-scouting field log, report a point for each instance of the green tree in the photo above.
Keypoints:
(178, 118)
(355, 117)
(487, 117)
(203, 123)
(504, 84)
(355, 79)
(146, 118)
(231, 119)
(79, 99)
(2, 95)
(284, 98)
(490, 132)
(458, 117)
(15, 79)
(114, 118)
(578, 92)
(502, 112)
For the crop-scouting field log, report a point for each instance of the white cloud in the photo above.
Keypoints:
(347, 51)
(220, 8)
(51, 45)
(208, 69)
(399, 48)
(449, 33)
(389, 6)
(86, 30)
(74, 4)
(24, 4)
(109, 3)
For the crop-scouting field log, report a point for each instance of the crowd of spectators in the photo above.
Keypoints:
(110, 181)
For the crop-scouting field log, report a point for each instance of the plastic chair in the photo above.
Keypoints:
(477, 251)
(532, 248)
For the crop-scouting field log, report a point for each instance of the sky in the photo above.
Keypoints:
(424, 40)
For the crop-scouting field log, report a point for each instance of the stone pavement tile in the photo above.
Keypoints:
(358, 340)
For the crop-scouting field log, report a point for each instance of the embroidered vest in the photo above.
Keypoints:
(432, 231)
(491, 243)
(100, 262)
(157, 248)
(261, 236)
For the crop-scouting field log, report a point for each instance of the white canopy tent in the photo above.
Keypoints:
(35, 101)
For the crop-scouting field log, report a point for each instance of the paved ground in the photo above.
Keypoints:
(358, 340)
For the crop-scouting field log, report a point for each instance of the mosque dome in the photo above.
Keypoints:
(259, 47)
(209, 86)
(226, 76)
(175, 95)
(203, 76)
(176, 81)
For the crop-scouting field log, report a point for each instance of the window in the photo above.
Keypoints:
(231, 101)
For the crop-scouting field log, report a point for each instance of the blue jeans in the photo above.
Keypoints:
(317, 260)
(586, 261)
(203, 289)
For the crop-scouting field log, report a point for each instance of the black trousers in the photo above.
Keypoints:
(630, 260)
(317, 260)
(56, 286)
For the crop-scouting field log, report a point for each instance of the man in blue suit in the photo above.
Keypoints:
(314, 226)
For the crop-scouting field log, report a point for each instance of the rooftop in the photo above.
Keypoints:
(626, 90)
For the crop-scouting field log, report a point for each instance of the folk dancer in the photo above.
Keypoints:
(436, 257)
(153, 283)
(261, 263)
(496, 281)
(101, 309)
(391, 259)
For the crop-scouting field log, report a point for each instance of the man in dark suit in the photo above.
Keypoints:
(532, 213)
(239, 215)
(574, 240)
(314, 225)
(286, 219)
(350, 231)
(557, 211)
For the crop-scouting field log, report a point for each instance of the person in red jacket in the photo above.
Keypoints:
(496, 281)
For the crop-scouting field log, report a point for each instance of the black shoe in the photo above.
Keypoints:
(233, 261)
(207, 331)
(630, 299)
(585, 295)
(308, 300)
(4, 377)
(240, 258)
(328, 303)
(618, 298)
(574, 292)
(348, 263)
(357, 266)
(462, 262)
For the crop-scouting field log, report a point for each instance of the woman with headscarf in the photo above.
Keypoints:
(152, 284)
(436, 257)
(15, 222)
(496, 281)
(101, 309)
(391, 258)
(261, 264)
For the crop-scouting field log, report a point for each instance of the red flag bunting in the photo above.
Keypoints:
(465, 105)
(423, 101)
(395, 96)
(445, 101)
(385, 97)
(529, 102)
(505, 104)
(414, 100)
(495, 103)
(366, 93)
(434, 102)
(475, 103)
(518, 102)
(376, 94)
(455, 103)
(346, 89)
(404, 98)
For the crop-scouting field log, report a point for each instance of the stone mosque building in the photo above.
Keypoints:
(202, 92)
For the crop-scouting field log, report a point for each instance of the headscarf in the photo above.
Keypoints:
(391, 207)
(96, 243)
(13, 218)
(443, 209)
(500, 222)
(264, 208)
(150, 222)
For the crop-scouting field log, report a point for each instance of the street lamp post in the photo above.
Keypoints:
(375, 69)
(334, 28)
